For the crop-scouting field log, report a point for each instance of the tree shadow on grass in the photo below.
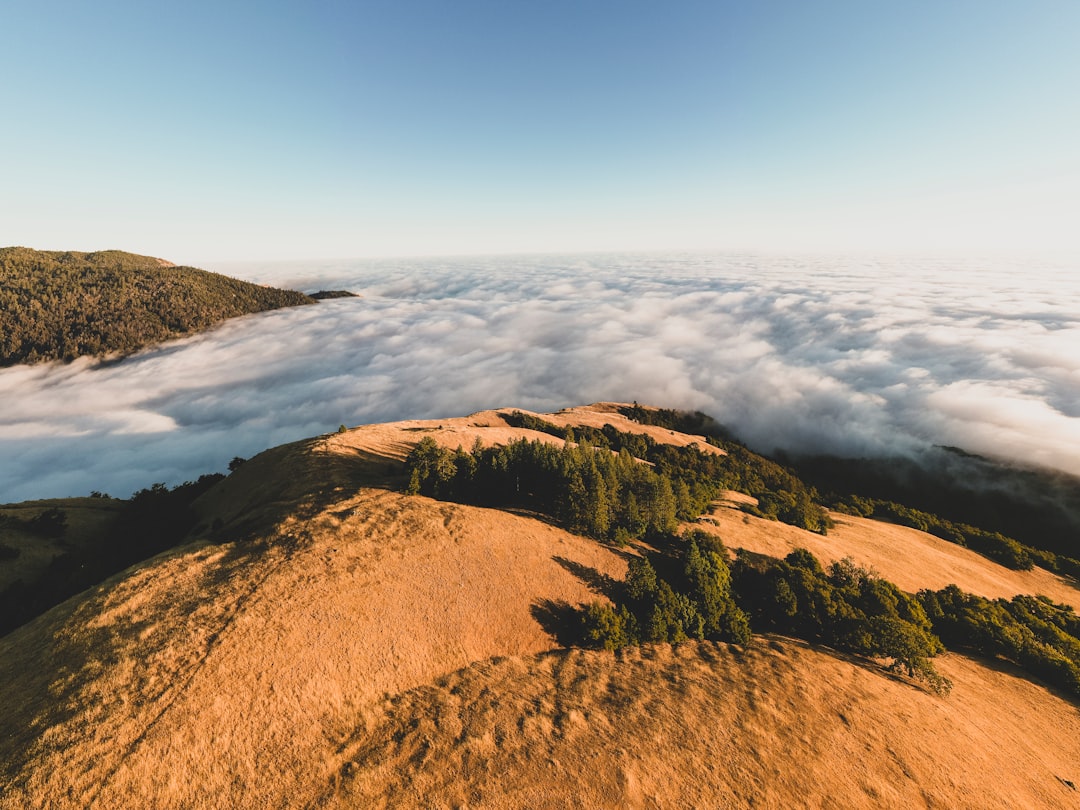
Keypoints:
(564, 621)
(559, 619)
(597, 581)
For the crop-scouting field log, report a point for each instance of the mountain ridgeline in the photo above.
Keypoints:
(60, 305)
(627, 487)
(595, 608)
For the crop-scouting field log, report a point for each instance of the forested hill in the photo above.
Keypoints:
(59, 305)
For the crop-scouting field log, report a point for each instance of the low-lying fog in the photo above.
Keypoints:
(843, 356)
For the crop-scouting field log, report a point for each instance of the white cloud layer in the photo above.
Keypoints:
(844, 356)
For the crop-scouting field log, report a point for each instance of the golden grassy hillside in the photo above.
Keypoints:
(362, 648)
(706, 725)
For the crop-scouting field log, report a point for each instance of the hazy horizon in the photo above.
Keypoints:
(652, 169)
(855, 357)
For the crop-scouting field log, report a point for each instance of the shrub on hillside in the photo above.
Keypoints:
(692, 600)
(847, 607)
(1033, 632)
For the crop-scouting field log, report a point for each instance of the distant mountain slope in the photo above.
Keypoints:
(59, 305)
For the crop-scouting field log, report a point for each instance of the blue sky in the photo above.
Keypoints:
(205, 132)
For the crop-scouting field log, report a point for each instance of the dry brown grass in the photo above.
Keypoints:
(228, 676)
(775, 725)
(363, 648)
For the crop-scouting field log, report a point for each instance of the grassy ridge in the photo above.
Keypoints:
(1037, 507)
(57, 305)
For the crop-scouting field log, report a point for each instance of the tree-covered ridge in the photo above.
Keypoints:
(689, 589)
(57, 305)
(590, 490)
(694, 423)
(596, 484)
(781, 494)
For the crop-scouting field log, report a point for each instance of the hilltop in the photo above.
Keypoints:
(59, 305)
(321, 638)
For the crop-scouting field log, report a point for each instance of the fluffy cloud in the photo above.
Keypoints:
(841, 356)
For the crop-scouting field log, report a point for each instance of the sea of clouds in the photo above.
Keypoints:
(854, 357)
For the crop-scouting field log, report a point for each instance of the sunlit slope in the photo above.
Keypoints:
(227, 676)
(359, 647)
(776, 725)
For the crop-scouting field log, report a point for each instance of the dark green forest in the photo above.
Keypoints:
(57, 305)
(781, 495)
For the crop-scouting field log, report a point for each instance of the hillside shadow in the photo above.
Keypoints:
(1068, 580)
(295, 481)
(596, 581)
(1007, 667)
(560, 619)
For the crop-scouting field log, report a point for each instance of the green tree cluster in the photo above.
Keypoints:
(592, 491)
(693, 600)
(1040, 636)
(61, 305)
(846, 607)
(781, 494)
